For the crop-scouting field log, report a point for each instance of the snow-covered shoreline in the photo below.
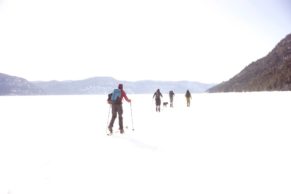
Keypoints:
(223, 143)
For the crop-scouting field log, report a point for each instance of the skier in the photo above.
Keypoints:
(171, 94)
(188, 97)
(116, 107)
(157, 95)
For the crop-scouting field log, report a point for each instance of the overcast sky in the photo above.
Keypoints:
(206, 40)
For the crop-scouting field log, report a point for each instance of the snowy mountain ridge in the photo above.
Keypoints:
(11, 85)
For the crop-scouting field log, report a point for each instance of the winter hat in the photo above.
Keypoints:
(120, 86)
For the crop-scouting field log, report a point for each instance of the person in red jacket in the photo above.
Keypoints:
(117, 109)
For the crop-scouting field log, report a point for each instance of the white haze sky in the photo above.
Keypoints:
(207, 40)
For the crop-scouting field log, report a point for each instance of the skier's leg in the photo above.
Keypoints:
(120, 118)
(114, 114)
(171, 102)
(157, 105)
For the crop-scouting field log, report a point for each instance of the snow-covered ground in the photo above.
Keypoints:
(224, 143)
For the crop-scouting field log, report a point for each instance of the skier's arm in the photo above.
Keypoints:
(125, 96)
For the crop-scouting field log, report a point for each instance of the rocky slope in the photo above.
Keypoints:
(270, 73)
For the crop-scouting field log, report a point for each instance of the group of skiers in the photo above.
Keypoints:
(115, 99)
(158, 95)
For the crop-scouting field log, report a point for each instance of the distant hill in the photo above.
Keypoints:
(270, 73)
(11, 85)
(104, 85)
(148, 86)
(97, 85)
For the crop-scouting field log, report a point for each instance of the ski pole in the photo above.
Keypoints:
(131, 117)
(108, 116)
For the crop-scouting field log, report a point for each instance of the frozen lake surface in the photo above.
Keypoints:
(224, 143)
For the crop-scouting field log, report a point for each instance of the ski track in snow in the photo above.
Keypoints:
(223, 143)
